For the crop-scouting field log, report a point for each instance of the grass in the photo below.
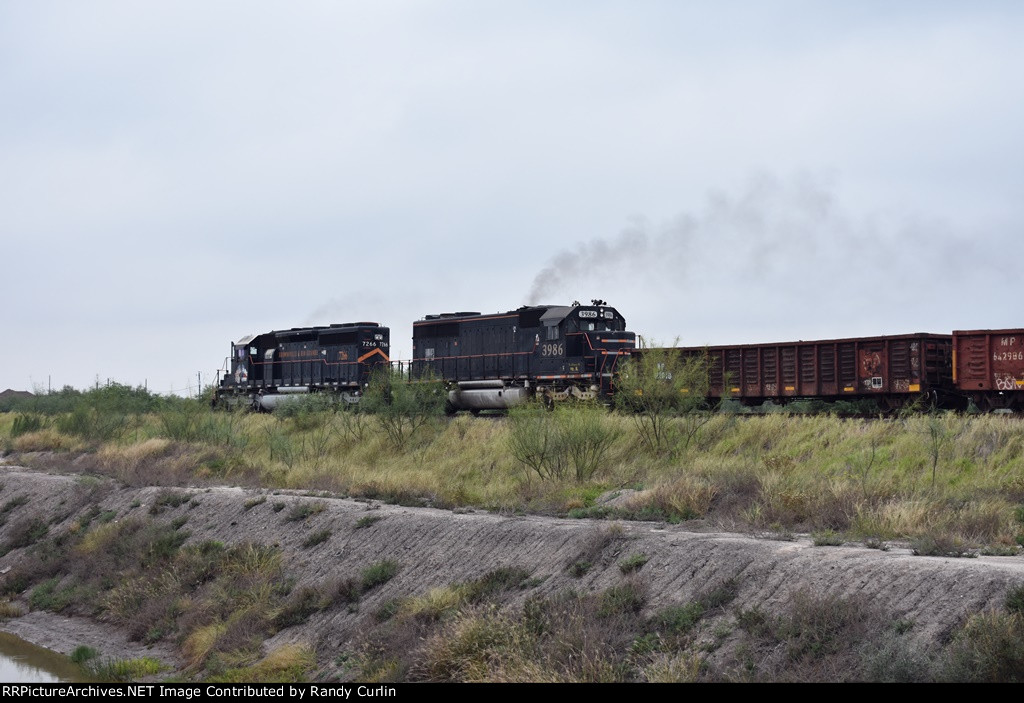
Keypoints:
(367, 521)
(318, 537)
(123, 669)
(873, 482)
(301, 511)
(860, 479)
(633, 563)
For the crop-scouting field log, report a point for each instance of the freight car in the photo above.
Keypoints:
(269, 368)
(988, 368)
(891, 370)
(496, 361)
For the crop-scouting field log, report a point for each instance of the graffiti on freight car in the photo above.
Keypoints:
(1007, 382)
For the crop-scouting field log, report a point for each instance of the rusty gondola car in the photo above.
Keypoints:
(891, 370)
(988, 367)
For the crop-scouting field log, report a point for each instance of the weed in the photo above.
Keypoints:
(378, 574)
(83, 653)
(25, 532)
(940, 546)
(989, 648)
(316, 538)
(301, 511)
(168, 499)
(578, 569)
(633, 563)
(827, 538)
(252, 503)
(46, 597)
(123, 669)
(1015, 600)
(678, 619)
(368, 520)
(387, 610)
(13, 503)
(876, 543)
(496, 581)
(301, 605)
(629, 597)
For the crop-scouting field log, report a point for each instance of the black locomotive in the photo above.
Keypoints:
(268, 368)
(498, 360)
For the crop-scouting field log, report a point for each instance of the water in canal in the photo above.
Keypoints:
(22, 662)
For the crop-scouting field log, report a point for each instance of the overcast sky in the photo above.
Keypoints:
(176, 175)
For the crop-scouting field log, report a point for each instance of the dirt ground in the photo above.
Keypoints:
(440, 547)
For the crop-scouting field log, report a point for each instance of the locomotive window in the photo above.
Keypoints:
(553, 332)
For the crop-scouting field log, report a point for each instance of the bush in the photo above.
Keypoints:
(27, 422)
(658, 384)
(571, 441)
(403, 408)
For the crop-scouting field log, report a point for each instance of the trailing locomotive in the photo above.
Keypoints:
(269, 368)
(496, 361)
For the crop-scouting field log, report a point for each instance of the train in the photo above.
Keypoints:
(556, 353)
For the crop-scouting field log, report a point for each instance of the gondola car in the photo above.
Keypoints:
(988, 368)
(891, 370)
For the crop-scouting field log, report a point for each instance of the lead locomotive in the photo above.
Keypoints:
(496, 361)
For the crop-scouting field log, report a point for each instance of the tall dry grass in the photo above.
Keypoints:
(954, 475)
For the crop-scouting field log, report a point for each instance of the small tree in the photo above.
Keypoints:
(659, 383)
(402, 407)
(573, 441)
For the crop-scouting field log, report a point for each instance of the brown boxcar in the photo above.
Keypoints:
(988, 367)
(890, 369)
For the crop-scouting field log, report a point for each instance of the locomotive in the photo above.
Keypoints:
(492, 362)
(267, 369)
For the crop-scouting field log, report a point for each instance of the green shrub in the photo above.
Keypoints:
(301, 511)
(378, 574)
(368, 520)
(27, 422)
(629, 597)
(316, 538)
(633, 563)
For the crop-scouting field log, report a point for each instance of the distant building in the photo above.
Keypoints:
(4, 395)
